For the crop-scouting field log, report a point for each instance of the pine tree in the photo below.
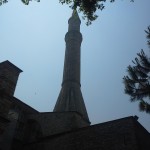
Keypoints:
(137, 82)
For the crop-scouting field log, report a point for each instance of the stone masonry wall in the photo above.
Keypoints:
(58, 122)
(113, 135)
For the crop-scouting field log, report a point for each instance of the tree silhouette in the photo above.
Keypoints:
(137, 82)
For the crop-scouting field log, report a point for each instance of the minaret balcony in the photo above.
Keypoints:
(73, 35)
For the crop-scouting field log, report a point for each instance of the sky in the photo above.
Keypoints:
(32, 38)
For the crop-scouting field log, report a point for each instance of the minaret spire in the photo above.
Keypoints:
(70, 97)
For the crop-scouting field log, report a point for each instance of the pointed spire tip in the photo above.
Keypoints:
(75, 13)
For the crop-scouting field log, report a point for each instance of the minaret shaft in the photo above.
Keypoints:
(70, 97)
(72, 57)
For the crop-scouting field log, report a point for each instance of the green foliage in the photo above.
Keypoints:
(26, 2)
(148, 36)
(3, 2)
(87, 7)
(137, 83)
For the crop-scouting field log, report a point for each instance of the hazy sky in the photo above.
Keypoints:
(32, 38)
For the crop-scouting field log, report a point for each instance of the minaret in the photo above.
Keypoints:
(70, 97)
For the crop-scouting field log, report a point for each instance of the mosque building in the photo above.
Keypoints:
(68, 126)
